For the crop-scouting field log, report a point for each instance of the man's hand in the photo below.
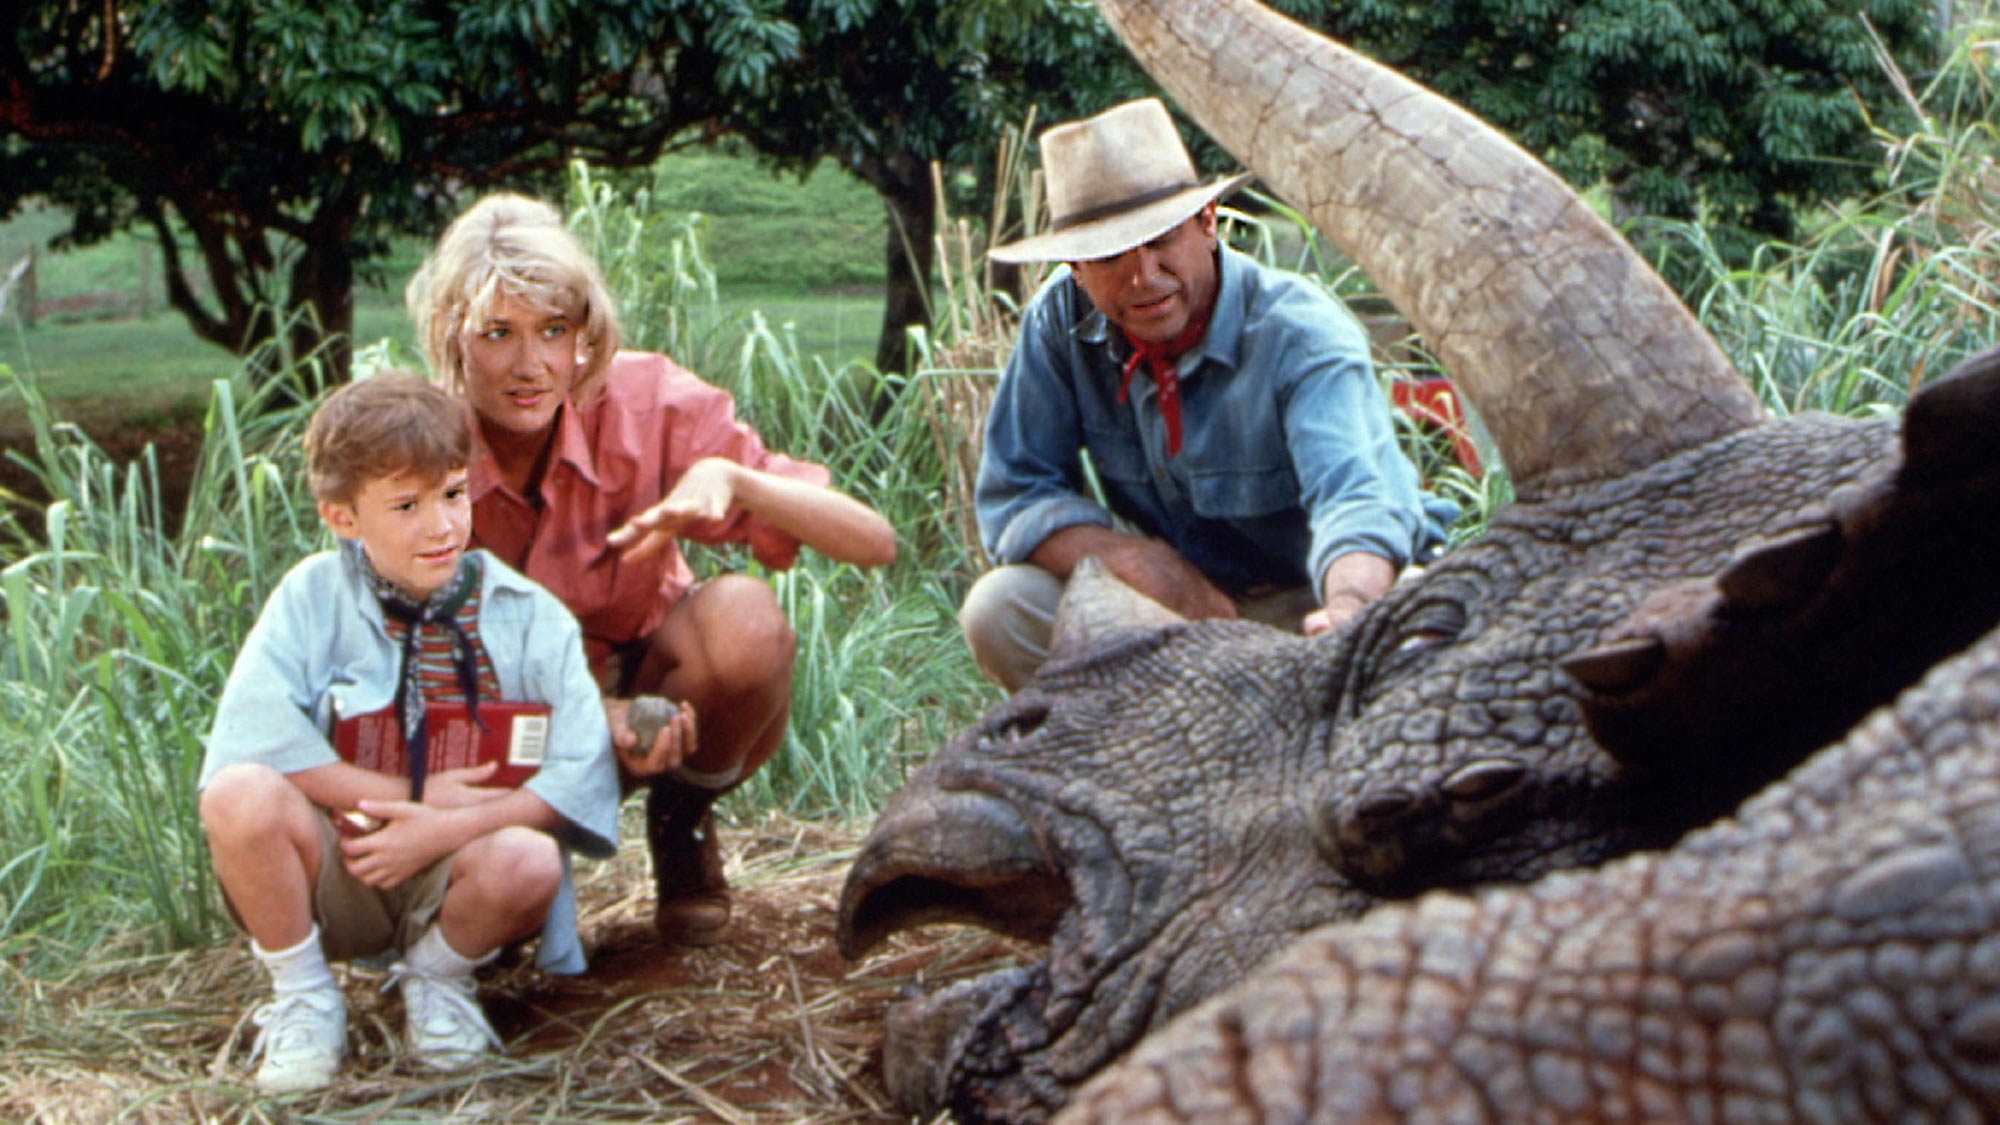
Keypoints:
(1147, 565)
(705, 492)
(1352, 581)
(1336, 612)
(668, 749)
(1157, 571)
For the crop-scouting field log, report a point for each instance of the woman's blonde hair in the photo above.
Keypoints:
(510, 245)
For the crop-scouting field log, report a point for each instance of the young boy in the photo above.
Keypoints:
(400, 617)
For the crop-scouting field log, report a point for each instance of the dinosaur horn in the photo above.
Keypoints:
(1580, 361)
(1095, 603)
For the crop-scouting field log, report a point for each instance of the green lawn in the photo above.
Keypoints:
(806, 254)
(155, 362)
(148, 364)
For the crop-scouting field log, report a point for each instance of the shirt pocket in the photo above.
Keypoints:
(1243, 493)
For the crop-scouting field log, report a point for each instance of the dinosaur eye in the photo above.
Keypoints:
(1428, 625)
(1016, 719)
(1421, 639)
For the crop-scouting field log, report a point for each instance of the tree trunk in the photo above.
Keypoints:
(909, 255)
(322, 324)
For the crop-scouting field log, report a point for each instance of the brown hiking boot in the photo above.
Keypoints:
(691, 899)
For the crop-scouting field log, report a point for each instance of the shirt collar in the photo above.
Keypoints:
(494, 576)
(572, 446)
(1223, 342)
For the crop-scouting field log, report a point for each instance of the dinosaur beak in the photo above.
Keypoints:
(939, 855)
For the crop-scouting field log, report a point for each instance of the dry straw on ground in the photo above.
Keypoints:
(772, 1026)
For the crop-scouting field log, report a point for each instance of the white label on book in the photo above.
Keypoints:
(527, 741)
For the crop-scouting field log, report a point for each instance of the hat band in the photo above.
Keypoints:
(1119, 207)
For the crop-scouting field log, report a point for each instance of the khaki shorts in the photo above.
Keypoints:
(357, 920)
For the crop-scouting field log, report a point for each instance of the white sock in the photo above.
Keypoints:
(434, 957)
(302, 968)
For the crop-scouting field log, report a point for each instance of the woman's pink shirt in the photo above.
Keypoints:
(614, 457)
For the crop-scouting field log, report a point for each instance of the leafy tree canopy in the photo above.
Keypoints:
(281, 144)
(1736, 111)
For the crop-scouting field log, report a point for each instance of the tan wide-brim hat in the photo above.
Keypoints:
(1114, 181)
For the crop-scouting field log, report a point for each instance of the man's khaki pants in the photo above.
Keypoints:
(1010, 613)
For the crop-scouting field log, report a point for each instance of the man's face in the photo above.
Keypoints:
(1154, 289)
(413, 529)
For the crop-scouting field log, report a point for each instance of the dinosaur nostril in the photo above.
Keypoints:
(1019, 720)
(1383, 807)
(1484, 779)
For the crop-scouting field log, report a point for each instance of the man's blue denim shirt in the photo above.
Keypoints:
(1288, 457)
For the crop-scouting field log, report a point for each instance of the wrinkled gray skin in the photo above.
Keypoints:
(1195, 797)
(1168, 804)
(1741, 676)
(1830, 954)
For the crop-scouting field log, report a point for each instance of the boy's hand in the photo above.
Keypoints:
(412, 837)
(668, 749)
(705, 492)
(455, 789)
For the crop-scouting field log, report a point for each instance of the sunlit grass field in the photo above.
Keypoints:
(807, 254)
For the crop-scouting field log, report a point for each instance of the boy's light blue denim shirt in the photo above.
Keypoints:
(320, 649)
(1288, 458)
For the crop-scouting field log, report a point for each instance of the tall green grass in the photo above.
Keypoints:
(1888, 292)
(117, 636)
(881, 675)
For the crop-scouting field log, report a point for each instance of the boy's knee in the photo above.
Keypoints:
(518, 866)
(246, 798)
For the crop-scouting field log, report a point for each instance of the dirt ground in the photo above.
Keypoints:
(772, 1025)
(176, 445)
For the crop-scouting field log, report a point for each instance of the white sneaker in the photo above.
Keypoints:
(447, 1029)
(303, 1037)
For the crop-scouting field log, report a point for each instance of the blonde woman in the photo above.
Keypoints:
(589, 466)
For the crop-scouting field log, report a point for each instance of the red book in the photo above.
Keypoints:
(512, 734)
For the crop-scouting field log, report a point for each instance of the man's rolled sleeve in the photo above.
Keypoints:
(1359, 491)
(1031, 481)
(1032, 525)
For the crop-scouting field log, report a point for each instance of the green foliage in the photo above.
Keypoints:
(117, 637)
(776, 232)
(277, 149)
(280, 147)
(1738, 112)
(1888, 292)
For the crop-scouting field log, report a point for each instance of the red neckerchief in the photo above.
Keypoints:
(1166, 379)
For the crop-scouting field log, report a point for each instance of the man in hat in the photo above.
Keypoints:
(1230, 411)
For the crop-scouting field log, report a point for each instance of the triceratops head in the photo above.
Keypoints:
(1170, 802)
